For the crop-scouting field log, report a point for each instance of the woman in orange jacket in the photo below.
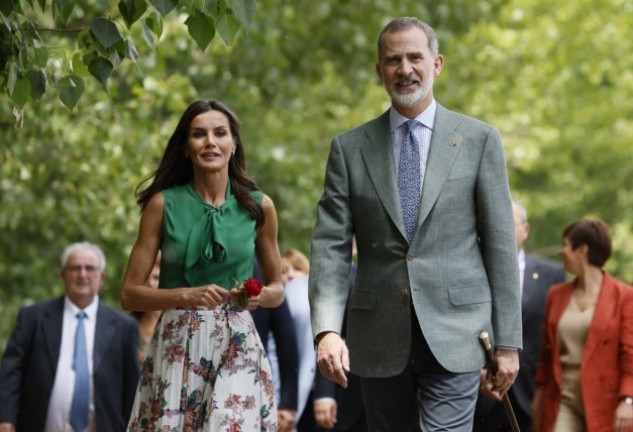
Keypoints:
(585, 376)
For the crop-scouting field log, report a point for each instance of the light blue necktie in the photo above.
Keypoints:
(80, 408)
(409, 178)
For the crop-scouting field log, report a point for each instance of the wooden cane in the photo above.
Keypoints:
(491, 361)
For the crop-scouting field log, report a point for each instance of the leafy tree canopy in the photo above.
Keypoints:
(103, 37)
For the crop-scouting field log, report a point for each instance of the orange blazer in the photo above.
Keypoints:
(607, 360)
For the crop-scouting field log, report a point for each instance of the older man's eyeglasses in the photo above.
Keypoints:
(78, 268)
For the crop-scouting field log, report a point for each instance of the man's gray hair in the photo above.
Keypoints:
(522, 210)
(406, 23)
(69, 250)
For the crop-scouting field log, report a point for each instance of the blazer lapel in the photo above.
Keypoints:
(604, 312)
(530, 278)
(104, 330)
(445, 145)
(377, 153)
(52, 330)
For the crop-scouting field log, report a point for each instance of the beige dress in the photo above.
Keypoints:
(572, 334)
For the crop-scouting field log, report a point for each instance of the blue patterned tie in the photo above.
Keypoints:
(409, 178)
(79, 409)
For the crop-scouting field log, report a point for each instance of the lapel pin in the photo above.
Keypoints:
(535, 276)
(452, 142)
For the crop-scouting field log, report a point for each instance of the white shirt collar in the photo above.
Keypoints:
(426, 117)
(90, 310)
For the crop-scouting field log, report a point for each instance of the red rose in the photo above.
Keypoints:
(252, 287)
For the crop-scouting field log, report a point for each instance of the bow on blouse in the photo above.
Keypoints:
(206, 242)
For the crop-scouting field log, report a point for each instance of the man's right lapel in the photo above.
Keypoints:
(377, 153)
(52, 329)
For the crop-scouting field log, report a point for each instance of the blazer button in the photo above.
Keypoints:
(410, 257)
(405, 293)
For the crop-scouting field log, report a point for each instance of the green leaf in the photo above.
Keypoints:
(227, 26)
(40, 57)
(132, 10)
(21, 92)
(13, 77)
(164, 6)
(155, 23)
(63, 8)
(148, 36)
(201, 29)
(37, 79)
(244, 11)
(9, 24)
(105, 32)
(70, 88)
(130, 50)
(79, 67)
(101, 69)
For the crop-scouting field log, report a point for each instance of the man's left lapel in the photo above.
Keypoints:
(445, 145)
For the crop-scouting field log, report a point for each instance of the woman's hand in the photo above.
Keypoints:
(206, 296)
(253, 302)
(623, 417)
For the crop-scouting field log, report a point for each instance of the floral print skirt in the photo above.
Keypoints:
(205, 370)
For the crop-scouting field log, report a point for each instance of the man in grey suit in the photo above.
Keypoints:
(537, 276)
(437, 257)
(39, 371)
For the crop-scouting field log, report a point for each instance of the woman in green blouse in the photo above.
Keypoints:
(205, 368)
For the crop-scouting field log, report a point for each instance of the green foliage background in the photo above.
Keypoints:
(554, 76)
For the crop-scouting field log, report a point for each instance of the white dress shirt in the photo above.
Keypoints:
(521, 269)
(422, 132)
(58, 416)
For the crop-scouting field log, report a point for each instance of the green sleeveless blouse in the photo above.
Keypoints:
(203, 244)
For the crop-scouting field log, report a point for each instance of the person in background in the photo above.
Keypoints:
(584, 380)
(147, 320)
(283, 355)
(425, 192)
(70, 363)
(294, 268)
(207, 369)
(536, 278)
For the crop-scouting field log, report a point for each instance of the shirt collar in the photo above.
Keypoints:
(90, 310)
(426, 117)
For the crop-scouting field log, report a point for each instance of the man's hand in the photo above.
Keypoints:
(286, 420)
(7, 427)
(508, 368)
(485, 385)
(325, 412)
(333, 358)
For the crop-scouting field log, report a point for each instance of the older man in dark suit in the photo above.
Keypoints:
(71, 362)
(537, 276)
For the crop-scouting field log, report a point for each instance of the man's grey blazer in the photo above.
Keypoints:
(460, 271)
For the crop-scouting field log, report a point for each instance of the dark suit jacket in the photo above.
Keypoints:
(279, 321)
(29, 365)
(539, 276)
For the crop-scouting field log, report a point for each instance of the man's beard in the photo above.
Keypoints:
(410, 99)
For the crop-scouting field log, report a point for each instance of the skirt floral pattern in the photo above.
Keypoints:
(205, 370)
